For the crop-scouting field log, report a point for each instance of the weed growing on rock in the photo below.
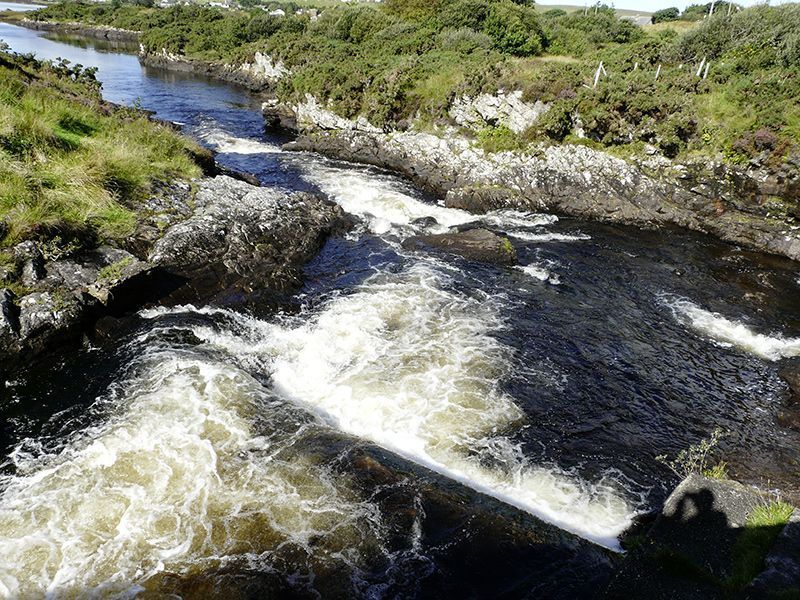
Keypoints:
(695, 458)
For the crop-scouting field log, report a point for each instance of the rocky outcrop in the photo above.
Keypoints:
(99, 32)
(261, 75)
(571, 180)
(245, 236)
(692, 550)
(311, 117)
(491, 110)
(228, 236)
(473, 244)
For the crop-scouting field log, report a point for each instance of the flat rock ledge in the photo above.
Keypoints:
(231, 237)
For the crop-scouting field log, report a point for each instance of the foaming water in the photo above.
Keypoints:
(732, 333)
(227, 143)
(548, 237)
(175, 480)
(540, 272)
(379, 200)
(413, 367)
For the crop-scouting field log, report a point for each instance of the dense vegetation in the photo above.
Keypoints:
(73, 168)
(693, 12)
(406, 60)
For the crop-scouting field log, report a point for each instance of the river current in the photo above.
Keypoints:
(406, 424)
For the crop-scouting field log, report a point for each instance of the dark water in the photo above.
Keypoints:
(617, 345)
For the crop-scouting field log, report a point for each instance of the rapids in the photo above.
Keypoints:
(405, 424)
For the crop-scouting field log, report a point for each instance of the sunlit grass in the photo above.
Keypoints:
(73, 167)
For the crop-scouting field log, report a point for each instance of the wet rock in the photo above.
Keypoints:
(425, 222)
(9, 318)
(790, 373)
(789, 414)
(47, 316)
(31, 263)
(474, 244)
(245, 236)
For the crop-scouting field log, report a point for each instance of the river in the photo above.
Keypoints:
(405, 425)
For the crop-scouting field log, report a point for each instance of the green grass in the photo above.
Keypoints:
(762, 527)
(72, 168)
(718, 471)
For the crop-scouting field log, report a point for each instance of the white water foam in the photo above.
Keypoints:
(414, 368)
(516, 218)
(379, 199)
(732, 333)
(226, 143)
(175, 480)
(539, 272)
(385, 205)
(527, 236)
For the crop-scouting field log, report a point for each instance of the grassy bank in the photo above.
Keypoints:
(408, 59)
(74, 169)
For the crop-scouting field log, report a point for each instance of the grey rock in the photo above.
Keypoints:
(474, 244)
(31, 263)
(425, 222)
(506, 109)
(690, 547)
(100, 272)
(245, 236)
(45, 316)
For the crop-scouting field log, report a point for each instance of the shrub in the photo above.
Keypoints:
(515, 30)
(664, 15)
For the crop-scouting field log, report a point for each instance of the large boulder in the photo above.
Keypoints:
(245, 237)
(473, 244)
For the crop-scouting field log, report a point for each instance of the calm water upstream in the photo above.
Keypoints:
(404, 425)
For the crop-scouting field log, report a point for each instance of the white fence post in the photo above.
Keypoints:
(658, 71)
(700, 68)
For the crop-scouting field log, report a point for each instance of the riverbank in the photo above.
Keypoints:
(106, 209)
(754, 204)
(571, 180)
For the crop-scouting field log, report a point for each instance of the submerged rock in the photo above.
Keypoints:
(473, 244)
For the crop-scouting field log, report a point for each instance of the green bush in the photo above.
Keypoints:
(665, 14)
